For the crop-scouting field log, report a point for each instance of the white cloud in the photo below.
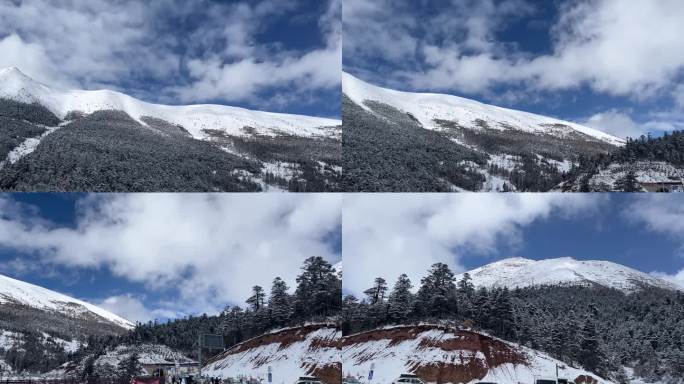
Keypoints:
(661, 214)
(30, 57)
(621, 124)
(252, 69)
(616, 123)
(678, 96)
(133, 309)
(389, 234)
(615, 47)
(677, 278)
(211, 248)
(113, 44)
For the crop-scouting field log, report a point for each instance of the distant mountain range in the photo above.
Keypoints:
(404, 141)
(74, 140)
(566, 271)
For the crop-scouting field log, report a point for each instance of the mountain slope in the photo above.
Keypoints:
(443, 142)
(446, 355)
(310, 350)
(429, 108)
(72, 140)
(521, 272)
(196, 119)
(39, 327)
(19, 293)
(653, 164)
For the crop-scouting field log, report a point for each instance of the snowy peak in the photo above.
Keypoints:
(429, 107)
(15, 85)
(17, 292)
(199, 120)
(521, 272)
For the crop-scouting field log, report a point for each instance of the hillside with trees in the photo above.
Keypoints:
(317, 297)
(599, 329)
(647, 158)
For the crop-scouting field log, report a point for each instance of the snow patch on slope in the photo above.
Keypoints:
(426, 107)
(195, 118)
(521, 272)
(436, 351)
(18, 292)
(291, 353)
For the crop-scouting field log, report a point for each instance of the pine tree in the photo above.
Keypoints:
(590, 356)
(128, 368)
(258, 298)
(319, 290)
(89, 372)
(437, 293)
(503, 317)
(376, 293)
(279, 303)
(401, 300)
(466, 293)
(628, 183)
(465, 285)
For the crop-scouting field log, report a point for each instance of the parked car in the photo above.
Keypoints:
(408, 379)
(308, 380)
(351, 380)
(545, 381)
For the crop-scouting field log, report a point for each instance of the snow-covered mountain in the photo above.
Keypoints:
(404, 141)
(429, 108)
(196, 119)
(442, 354)
(522, 272)
(15, 292)
(105, 141)
(310, 350)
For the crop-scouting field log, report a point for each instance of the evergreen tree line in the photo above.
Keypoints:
(597, 328)
(668, 148)
(317, 297)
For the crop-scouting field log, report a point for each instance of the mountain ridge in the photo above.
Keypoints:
(13, 291)
(522, 272)
(198, 119)
(449, 108)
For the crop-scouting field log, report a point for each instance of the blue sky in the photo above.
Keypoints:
(146, 256)
(278, 55)
(386, 235)
(614, 66)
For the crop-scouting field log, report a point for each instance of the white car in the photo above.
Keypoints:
(408, 379)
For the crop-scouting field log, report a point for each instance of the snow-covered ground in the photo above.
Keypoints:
(428, 107)
(195, 118)
(434, 352)
(19, 292)
(9, 339)
(26, 147)
(521, 272)
(148, 354)
(290, 353)
(645, 172)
